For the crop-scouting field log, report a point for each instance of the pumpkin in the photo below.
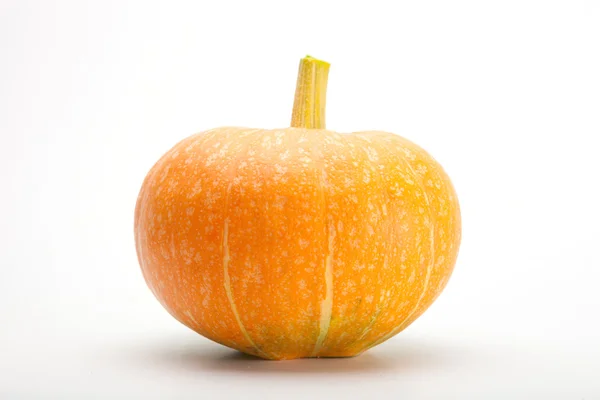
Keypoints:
(297, 242)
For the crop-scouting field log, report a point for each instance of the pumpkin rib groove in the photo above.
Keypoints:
(327, 302)
(226, 276)
(385, 258)
(432, 240)
(401, 326)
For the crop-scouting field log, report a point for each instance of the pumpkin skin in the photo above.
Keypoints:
(297, 242)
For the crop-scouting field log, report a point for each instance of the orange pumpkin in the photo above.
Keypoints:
(297, 242)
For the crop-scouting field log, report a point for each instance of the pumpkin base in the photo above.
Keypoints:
(330, 355)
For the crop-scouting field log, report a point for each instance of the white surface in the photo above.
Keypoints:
(506, 95)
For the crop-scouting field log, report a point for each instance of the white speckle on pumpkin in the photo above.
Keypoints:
(440, 260)
(266, 142)
(210, 160)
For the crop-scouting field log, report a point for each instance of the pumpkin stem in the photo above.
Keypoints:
(311, 90)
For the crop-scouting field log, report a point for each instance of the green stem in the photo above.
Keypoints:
(311, 90)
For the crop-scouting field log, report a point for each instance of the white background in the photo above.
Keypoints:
(506, 95)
